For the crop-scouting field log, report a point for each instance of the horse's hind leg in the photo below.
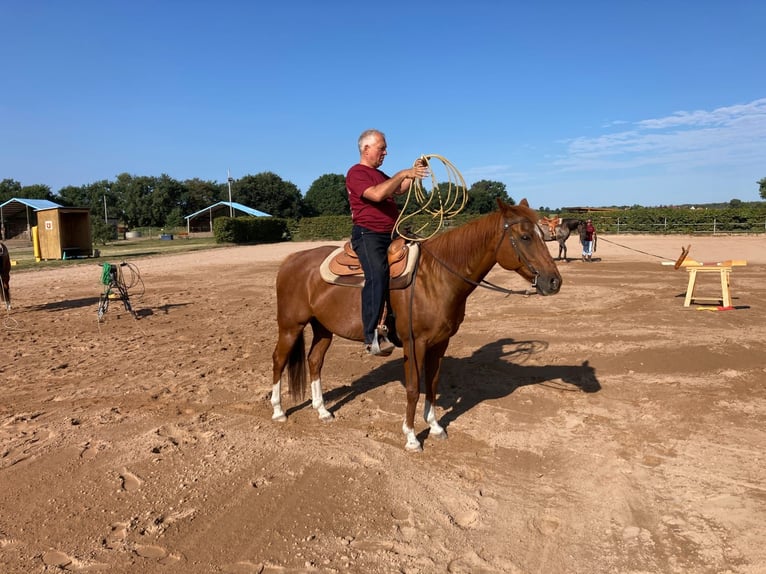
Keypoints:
(286, 341)
(320, 342)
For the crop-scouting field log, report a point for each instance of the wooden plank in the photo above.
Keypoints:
(727, 263)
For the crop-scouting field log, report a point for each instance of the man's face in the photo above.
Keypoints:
(375, 152)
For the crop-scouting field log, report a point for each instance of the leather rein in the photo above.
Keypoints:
(484, 283)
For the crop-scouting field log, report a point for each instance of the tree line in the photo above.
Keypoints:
(150, 201)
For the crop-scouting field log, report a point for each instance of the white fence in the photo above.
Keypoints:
(711, 228)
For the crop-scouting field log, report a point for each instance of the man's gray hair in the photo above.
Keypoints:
(368, 135)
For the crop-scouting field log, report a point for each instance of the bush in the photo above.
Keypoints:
(250, 230)
(102, 231)
(330, 227)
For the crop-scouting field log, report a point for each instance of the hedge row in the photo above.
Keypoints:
(250, 230)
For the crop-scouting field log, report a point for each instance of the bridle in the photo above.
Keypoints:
(486, 284)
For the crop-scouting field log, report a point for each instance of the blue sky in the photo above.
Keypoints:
(567, 103)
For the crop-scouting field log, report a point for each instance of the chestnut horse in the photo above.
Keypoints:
(427, 313)
(5, 275)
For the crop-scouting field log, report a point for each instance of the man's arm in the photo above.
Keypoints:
(397, 184)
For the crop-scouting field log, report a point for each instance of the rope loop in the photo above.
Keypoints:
(442, 202)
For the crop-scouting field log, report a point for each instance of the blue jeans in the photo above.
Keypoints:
(372, 249)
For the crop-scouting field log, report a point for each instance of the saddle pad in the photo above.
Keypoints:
(351, 279)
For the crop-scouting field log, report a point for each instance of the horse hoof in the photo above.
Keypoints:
(438, 436)
(279, 418)
(409, 447)
(328, 418)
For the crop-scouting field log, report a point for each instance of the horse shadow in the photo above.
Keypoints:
(65, 304)
(493, 371)
(497, 369)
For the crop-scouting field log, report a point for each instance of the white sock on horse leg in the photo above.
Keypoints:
(429, 414)
(276, 402)
(317, 400)
(413, 444)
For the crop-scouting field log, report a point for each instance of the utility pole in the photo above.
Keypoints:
(231, 207)
(106, 219)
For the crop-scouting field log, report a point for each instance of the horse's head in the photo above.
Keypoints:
(522, 248)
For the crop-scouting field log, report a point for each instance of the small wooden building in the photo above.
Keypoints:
(64, 233)
(19, 215)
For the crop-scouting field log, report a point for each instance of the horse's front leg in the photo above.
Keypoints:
(320, 343)
(432, 369)
(414, 369)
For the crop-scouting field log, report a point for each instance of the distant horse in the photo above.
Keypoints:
(427, 313)
(5, 275)
(558, 229)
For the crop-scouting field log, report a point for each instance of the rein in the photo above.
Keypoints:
(484, 283)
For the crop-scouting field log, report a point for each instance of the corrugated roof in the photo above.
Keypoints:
(17, 204)
(236, 206)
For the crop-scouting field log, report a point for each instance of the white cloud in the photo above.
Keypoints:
(733, 135)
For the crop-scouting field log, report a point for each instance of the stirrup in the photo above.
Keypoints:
(380, 346)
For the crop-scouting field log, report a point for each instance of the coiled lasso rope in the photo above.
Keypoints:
(440, 203)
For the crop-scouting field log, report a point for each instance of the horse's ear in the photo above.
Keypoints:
(524, 202)
(500, 203)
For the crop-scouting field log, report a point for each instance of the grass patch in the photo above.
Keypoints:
(116, 251)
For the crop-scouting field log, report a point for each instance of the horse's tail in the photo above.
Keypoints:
(296, 369)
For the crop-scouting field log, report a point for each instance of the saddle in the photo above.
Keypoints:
(342, 266)
(548, 226)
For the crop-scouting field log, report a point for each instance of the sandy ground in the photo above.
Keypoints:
(605, 429)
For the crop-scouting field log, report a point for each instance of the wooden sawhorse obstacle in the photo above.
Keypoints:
(694, 268)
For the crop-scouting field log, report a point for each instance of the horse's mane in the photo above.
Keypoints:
(462, 243)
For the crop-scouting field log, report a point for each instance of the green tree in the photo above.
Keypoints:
(174, 218)
(483, 194)
(9, 188)
(37, 191)
(199, 194)
(101, 231)
(327, 196)
(135, 197)
(762, 187)
(166, 198)
(269, 193)
(94, 195)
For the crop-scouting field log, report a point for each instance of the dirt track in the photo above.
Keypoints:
(606, 429)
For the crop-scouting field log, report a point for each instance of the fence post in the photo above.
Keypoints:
(714, 226)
